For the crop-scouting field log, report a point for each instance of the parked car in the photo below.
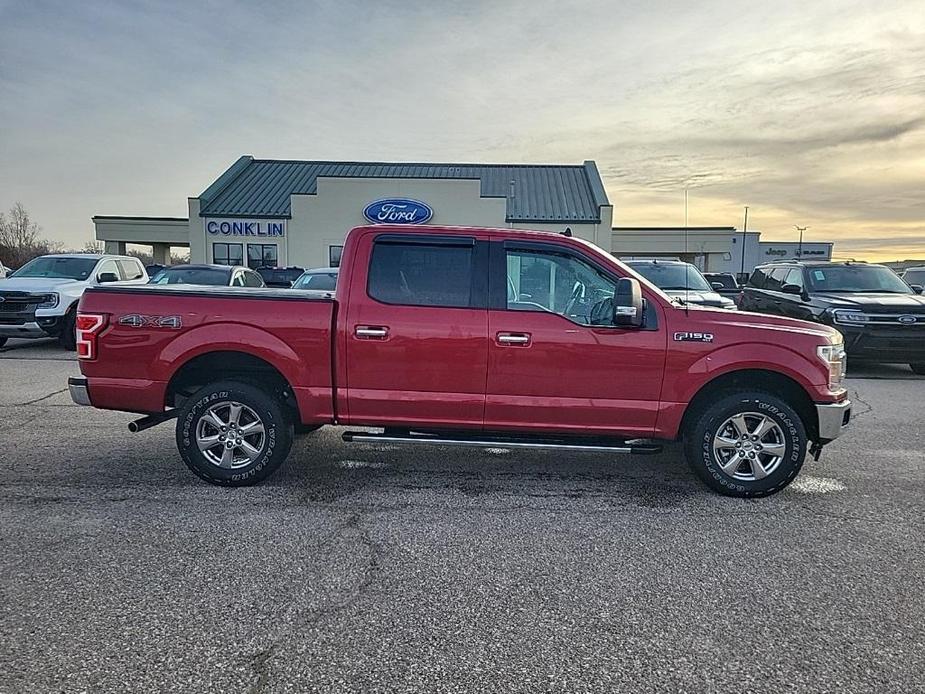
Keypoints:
(322, 278)
(438, 342)
(154, 268)
(724, 284)
(40, 298)
(681, 281)
(881, 317)
(217, 275)
(915, 278)
(280, 276)
(4, 271)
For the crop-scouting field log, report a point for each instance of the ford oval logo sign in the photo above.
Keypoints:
(907, 320)
(398, 211)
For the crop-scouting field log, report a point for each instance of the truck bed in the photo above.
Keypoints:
(153, 332)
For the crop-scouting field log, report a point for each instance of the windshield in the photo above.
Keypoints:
(674, 276)
(320, 280)
(186, 275)
(856, 278)
(58, 268)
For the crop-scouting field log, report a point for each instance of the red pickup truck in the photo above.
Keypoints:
(465, 337)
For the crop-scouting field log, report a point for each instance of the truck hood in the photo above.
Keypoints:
(699, 298)
(881, 302)
(41, 284)
(764, 325)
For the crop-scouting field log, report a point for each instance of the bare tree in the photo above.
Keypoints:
(19, 238)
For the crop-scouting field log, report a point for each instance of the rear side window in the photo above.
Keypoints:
(252, 279)
(421, 275)
(758, 278)
(131, 269)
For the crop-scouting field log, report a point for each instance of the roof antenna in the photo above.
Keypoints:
(687, 268)
(567, 232)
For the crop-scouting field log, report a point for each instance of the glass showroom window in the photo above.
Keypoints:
(227, 253)
(334, 253)
(261, 255)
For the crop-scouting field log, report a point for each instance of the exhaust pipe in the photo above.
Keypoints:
(151, 420)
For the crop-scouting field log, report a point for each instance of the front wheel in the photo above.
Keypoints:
(748, 444)
(918, 367)
(3, 341)
(233, 434)
(67, 338)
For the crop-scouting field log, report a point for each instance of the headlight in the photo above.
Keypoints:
(51, 300)
(849, 316)
(835, 359)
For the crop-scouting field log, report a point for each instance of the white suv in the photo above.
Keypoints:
(40, 298)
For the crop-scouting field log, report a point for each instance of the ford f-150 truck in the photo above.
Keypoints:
(465, 337)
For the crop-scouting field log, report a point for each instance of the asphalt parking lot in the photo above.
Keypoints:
(377, 569)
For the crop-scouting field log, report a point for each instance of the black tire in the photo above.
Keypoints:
(3, 341)
(917, 367)
(67, 338)
(789, 437)
(273, 446)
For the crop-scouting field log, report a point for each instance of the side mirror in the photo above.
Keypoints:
(917, 288)
(107, 277)
(792, 289)
(627, 303)
(717, 286)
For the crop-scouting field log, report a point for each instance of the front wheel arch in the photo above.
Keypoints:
(773, 382)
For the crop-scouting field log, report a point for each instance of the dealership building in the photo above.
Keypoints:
(282, 213)
(263, 212)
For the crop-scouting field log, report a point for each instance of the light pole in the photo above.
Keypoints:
(744, 229)
(800, 248)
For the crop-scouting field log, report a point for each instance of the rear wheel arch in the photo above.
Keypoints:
(230, 365)
(774, 382)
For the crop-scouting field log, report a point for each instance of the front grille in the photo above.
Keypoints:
(17, 308)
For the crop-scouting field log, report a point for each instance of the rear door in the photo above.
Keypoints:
(417, 330)
(550, 367)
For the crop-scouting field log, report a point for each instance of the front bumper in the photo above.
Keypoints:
(833, 418)
(77, 386)
(24, 330)
(884, 344)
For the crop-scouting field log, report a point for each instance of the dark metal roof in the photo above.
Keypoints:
(261, 188)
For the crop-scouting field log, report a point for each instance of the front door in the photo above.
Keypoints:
(553, 366)
(417, 331)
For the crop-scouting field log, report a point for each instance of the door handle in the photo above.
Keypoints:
(371, 332)
(513, 338)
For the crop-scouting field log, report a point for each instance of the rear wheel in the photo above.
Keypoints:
(233, 434)
(917, 367)
(748, 444)
(3, 341)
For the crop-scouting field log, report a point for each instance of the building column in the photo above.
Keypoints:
(161, 252)
(115, 247)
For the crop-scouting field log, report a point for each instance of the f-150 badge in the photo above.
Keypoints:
(693, 337)
(137, 320)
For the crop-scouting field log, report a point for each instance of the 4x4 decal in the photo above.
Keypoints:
(136, 320)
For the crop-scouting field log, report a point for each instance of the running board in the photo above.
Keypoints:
(486, 442)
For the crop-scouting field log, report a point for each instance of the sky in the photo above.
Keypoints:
(812, 113)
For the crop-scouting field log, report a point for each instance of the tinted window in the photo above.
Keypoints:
(914, 276)
(759, 278)
(108, 266)
(794, 277)
(187, 275)
(60, 268)
(420, 275)
(252, 279)
(334, 253)
(318, 280)
(261, 255)
(131, 269)
(776, 279)
(856, 278)
(227, 254)
(563, 284)
(728, 281)
(673, 276)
